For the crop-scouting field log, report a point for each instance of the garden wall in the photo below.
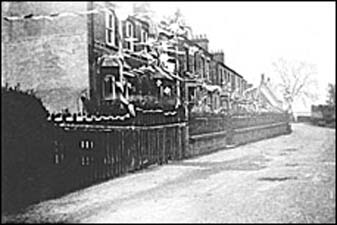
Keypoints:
(210, 133)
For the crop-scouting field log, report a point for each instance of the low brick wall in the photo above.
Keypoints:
(303, 119)
(206, 143)
(255, 133)
(233, 131)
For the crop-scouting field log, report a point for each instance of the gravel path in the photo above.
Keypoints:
(288, 179)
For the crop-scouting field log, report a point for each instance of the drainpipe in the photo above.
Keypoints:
(92, 62)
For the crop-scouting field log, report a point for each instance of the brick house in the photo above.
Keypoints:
(56, 52)
(206, 72)
(81, 55)
(69, 52)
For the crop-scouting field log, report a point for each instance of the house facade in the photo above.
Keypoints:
(68, 53)
(208, 80)
(82, 57)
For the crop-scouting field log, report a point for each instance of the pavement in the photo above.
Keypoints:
(286, 179)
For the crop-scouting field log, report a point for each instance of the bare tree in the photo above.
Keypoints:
(331, 95)
(297, 81)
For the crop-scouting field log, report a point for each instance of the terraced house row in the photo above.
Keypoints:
(83, 57)
(122, 93)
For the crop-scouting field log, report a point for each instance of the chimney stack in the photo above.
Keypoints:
(219, 56)
(201, 40)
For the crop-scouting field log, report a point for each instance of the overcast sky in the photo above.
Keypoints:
(254, 34)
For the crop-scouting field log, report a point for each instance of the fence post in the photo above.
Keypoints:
(138, 146)
(185, 141)
(164, 146)
(123, 151)
(157, 149)
(180, 147)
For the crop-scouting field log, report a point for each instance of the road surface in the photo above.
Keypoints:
(288, 179)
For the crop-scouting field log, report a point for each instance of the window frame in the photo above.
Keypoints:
(203, 67)
(130, 28)
(208, 68)
(187, 59)
(112, 95)
(143, 38)
(221, 76)
(110, 29)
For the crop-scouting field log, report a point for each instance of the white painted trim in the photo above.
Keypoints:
(130, 37)
(108, 28)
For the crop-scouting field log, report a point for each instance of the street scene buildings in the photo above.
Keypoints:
(91, 93)
(87, 61)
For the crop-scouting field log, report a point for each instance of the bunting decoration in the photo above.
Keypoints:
(161, 59)
(55, 15)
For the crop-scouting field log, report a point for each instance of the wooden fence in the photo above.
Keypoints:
(86, 154)
(47, 159)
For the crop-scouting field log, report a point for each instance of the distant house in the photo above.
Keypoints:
(263, 98)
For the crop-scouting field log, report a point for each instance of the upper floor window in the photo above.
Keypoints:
(196, 62)
(187, 59)
(144, 36)
(129, 35)
(203, 67)
(238, 83)
(233, 82)
(208, 68)
(221, 80)
(110, 28)
(207, 63)
(129, 29)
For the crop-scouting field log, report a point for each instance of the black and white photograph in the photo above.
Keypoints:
(168, 112)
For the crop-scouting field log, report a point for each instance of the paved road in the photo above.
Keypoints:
(286, 179)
